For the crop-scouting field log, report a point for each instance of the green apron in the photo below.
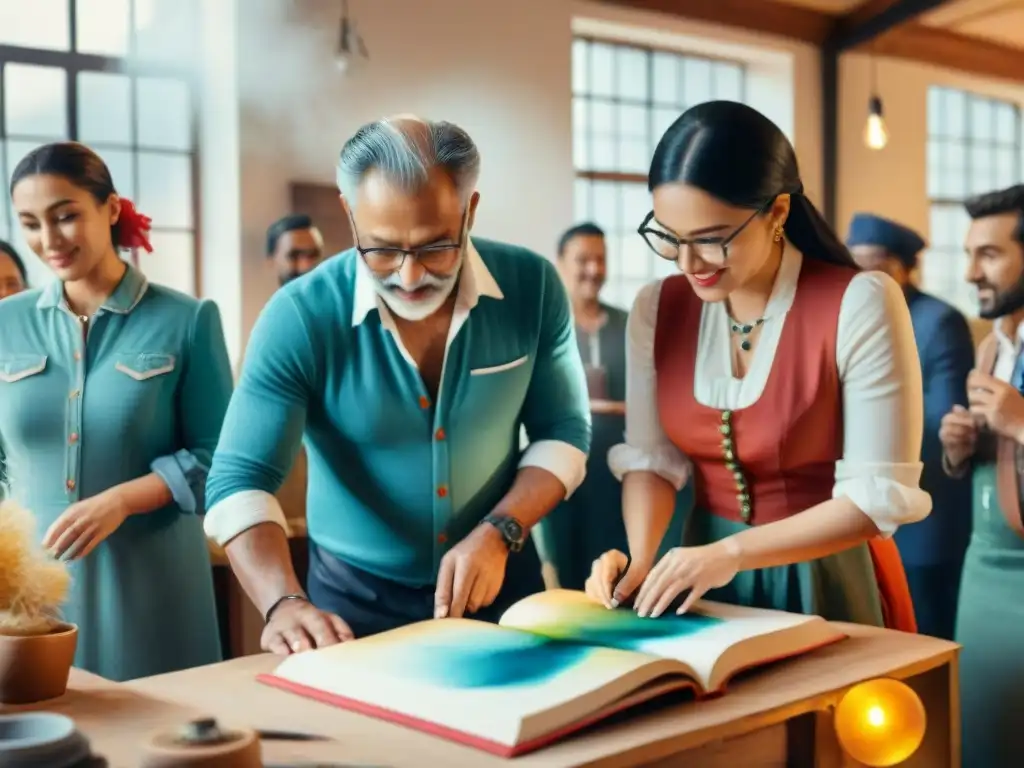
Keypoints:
(990, 627)
(840, 587)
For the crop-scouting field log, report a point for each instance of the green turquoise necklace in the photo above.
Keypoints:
(743, 330)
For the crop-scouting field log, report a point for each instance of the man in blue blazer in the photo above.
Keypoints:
(933, 549)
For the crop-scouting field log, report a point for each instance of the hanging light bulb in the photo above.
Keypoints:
(875, 134)
(351, 48)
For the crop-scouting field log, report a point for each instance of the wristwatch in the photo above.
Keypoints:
(511, 530)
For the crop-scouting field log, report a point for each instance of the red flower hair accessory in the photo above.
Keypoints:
(133, 227)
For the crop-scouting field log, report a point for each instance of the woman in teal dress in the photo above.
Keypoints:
(775, 376)
(112, 394)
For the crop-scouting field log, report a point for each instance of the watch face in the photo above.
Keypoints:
(513, 530)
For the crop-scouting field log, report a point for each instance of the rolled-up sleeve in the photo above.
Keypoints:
(556, 413)
(647, 447)
(263, 428)
(202, 401)
(883, 409)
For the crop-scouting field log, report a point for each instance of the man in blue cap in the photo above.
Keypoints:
(932, 550)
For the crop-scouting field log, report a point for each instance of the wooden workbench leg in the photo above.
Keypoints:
(939, 691)
(812, 743)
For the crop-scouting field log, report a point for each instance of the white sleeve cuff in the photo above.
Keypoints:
(667, 462)
(566, 462)
(887, 493)
(241, 511)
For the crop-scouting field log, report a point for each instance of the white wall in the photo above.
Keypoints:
(220, 196)
(500, 70)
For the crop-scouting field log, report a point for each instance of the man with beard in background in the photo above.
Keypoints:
(590, 523)
(408, 365)
(294, 247)
(987, 438)
(932, 549)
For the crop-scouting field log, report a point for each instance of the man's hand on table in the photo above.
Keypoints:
(471, 573)
(298, 625)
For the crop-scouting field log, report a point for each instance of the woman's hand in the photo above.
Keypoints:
(83, 525)
(604, 584)
(696, 569)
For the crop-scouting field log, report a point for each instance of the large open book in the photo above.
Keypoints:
(556, 662)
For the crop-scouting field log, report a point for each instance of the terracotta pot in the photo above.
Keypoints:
(36, 667)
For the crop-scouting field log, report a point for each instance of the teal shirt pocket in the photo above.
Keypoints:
(497, 391)
(143, 366)
(14, 368)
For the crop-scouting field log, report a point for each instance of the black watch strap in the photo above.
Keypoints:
(281, 600)
(511, 530)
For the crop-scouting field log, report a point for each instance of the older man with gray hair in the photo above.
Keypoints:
(406, 366)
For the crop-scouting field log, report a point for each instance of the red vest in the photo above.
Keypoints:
(786, 444)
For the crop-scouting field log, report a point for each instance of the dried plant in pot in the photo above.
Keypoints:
(37, 649)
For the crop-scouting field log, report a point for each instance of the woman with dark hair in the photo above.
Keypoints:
(112, 394)
(778, 378)
(13, 277)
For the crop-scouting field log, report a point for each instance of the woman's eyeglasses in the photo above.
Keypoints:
(712, 250)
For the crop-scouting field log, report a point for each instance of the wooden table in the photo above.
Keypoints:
(776, 717)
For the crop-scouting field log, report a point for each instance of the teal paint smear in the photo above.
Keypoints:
(622, 628)
(507, 659)
(489, 660)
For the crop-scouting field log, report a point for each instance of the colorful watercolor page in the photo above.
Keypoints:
(496, 684)
(714, 640)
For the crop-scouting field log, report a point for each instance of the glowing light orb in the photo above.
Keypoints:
(880, 722)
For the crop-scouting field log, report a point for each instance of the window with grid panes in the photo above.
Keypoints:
(115, 75)
(624, 98)
(974, 146)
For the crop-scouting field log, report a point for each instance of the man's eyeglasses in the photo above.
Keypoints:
(439, 258)
(712, 250)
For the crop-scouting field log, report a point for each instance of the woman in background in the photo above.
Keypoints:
(778, 378)
(112, 394)
(13, 277)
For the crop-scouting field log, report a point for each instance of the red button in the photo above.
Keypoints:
(71, 485)
(424, 402)
(442, 491)
(439, 435)
(73, 437)
(442, 539)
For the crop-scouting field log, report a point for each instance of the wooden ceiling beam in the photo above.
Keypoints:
(762, 16)
(950, 50)
(876, 18)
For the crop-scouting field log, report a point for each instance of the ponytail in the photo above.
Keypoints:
(809, 233)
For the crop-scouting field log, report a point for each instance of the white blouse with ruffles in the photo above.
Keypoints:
(883, 410)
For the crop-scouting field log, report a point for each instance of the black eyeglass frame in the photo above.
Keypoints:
(644, 230)
(416, 253)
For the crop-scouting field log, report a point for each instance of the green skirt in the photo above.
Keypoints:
(840, 587)
(990, 627)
